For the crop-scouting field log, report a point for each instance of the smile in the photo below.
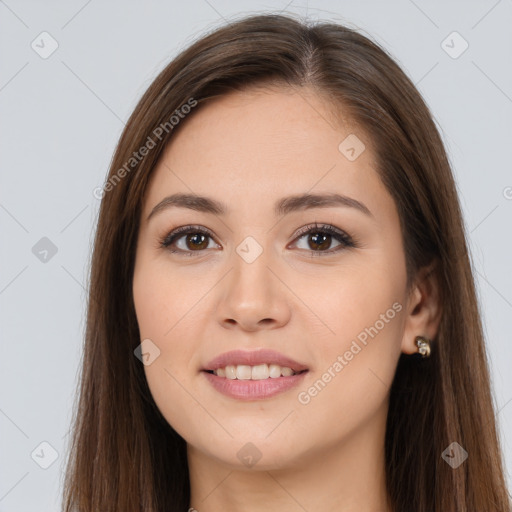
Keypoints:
(258, 372)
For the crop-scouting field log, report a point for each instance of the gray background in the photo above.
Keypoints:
(61, 117)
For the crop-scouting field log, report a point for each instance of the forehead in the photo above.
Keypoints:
(256, 144)
(285, 121)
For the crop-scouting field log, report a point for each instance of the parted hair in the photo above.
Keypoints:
(123, 456)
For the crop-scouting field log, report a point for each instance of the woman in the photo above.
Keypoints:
(282, 311)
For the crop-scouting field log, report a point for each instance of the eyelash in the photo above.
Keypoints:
(340, 236)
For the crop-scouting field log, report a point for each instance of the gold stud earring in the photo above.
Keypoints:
(423, 345)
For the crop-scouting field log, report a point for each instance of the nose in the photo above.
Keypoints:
(252, 297)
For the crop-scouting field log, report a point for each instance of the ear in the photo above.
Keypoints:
(423, 308)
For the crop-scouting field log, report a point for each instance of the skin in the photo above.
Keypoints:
(249, 149)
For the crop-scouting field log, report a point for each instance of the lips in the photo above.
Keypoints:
(253, 358)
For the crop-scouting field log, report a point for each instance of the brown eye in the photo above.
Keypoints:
(196, 241)
(319, 239)
(187, 240)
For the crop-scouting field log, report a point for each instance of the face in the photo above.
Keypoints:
(322, 283)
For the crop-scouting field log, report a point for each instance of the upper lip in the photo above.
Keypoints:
(253, 358)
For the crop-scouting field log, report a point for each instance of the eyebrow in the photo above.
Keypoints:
(282, 206)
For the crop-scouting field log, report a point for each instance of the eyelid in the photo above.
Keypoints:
(309, 228)
(176, 233)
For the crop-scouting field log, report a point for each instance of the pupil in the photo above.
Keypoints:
(322, 244)
(194, 238)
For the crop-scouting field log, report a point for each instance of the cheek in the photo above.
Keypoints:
(351, 383)
(148, 298)
(349, 299)
(168, 314)
(163, 298)
(357, 357)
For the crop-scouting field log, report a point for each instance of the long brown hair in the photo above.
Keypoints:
(123, 455)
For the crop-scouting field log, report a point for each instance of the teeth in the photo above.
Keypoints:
(230, 372)
(259, 372)
(243, 372)
(274, 371)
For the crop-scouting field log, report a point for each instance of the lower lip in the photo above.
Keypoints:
(253, 389)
